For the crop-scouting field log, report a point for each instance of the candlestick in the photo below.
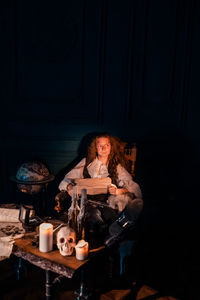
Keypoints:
(46, 237)
(81, 250)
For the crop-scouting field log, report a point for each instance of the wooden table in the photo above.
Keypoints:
(51, 261)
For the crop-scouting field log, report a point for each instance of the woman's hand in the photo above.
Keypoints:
(113, 190)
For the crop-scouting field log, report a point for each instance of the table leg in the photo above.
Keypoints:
(82, 293)
(21, 269)
(48, 285)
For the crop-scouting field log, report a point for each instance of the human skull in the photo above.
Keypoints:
(66, 240)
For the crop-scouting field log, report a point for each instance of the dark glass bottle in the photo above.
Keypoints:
(81, 215)
(73, 210)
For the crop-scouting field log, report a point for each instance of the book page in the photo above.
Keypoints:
(9, 215)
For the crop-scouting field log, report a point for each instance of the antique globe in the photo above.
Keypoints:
(32, 177)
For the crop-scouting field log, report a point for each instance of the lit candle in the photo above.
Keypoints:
(46, 237)
(81, 250)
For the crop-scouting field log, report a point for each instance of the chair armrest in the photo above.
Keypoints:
(59, 198)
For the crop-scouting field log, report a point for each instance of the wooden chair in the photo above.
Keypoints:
(130, 152)
(126, 247)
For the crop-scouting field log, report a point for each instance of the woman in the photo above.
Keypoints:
(105, 159)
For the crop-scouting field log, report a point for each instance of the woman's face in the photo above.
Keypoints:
(103, 147)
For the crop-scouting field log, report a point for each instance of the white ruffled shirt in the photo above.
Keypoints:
(98, 170)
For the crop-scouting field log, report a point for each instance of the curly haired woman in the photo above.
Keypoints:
(105, 159)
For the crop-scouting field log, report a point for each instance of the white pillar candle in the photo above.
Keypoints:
(81, 250)
(46, 237)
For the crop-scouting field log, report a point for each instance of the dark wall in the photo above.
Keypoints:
(70, 68)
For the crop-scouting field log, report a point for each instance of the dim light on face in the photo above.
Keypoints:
(103, 147)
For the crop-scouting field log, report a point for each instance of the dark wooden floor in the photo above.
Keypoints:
(31, 286)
